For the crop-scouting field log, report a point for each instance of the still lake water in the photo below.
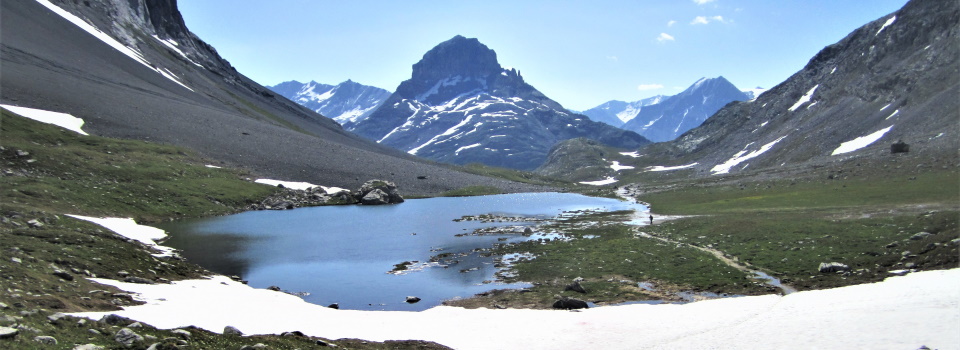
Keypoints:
(342, 254)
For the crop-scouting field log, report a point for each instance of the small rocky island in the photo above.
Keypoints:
(373, 192)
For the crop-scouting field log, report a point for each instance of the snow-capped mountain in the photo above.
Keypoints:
(617, 113)
(893, 79)
(676, 114)
(347, 102)
(755, 92)
(460, 106)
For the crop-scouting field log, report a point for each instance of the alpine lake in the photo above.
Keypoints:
(374, 257)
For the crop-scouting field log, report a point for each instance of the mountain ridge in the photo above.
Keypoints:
(460, 106)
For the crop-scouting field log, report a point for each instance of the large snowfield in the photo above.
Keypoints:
(907, 312)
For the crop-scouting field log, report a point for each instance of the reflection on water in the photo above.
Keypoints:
(342, 254)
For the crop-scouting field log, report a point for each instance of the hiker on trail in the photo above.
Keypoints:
(651, 219)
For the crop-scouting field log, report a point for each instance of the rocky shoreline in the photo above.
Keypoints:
(373, 192)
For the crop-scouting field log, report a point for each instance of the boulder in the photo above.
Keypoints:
(231, 330)
(576, 287)
(88, 347)
(66, 276)
(389, 192)
(334, 306)
(570, 304)
(413, 300)
(8, 332)
(920, 235)
(181, 333)
(833, 267)
(114, 319)
(139, 280)
(45, 339)
(127, 337)
(375, 197)
(899, 147)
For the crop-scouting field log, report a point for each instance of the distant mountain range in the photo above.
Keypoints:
(132, 70)
(894, 79)
(460, 106)
(347, 102)
(663, 118)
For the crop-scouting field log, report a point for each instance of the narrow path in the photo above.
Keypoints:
(745, 267)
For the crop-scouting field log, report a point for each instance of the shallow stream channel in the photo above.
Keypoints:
(349, 255)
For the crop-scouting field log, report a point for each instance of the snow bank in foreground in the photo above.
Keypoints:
(299, 185)
(62, 120)
(130, 229)
(669, 168)
(860, 142)
(607, 181)
(898, 313)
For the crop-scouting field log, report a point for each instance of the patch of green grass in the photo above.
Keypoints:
(512, 175)
(54, 170)
(929, 187)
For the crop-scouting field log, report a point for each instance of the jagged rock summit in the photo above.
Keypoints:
(347, 102)
(460, 106)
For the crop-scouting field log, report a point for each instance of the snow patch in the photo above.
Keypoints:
(465, 147)
(303, 186)
(743, 156)
(109, 40)
(885, 107)
(130, 229)
(892, 114)
(62, 120)
(804, 99)
(886, 24)
(872, 313)
(617, 167)
(670, 168)
(607, 181)
(213, 166)
(860, 142)
(633, 154)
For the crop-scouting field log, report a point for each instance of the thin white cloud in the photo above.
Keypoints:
(645, 87)
(664, 37)
(613, 58)
(671, 23)
(702, 2)
(707, 20)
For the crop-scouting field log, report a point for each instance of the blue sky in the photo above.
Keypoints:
(579, 53)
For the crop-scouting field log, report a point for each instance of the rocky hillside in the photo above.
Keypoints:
(460, 106)
(347, 102)
(895, 78)
(132, 69)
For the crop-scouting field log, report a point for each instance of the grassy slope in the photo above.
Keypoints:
(46, 172)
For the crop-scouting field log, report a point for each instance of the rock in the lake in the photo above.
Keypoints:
(833, 267)
(413, 300)
(127, 337)
(386, 193)
(570, 304)
(334, 306)
(231, 330)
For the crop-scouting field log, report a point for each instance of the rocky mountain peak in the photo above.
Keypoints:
(461, 56)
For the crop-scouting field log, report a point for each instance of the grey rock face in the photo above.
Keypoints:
(127, 337)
